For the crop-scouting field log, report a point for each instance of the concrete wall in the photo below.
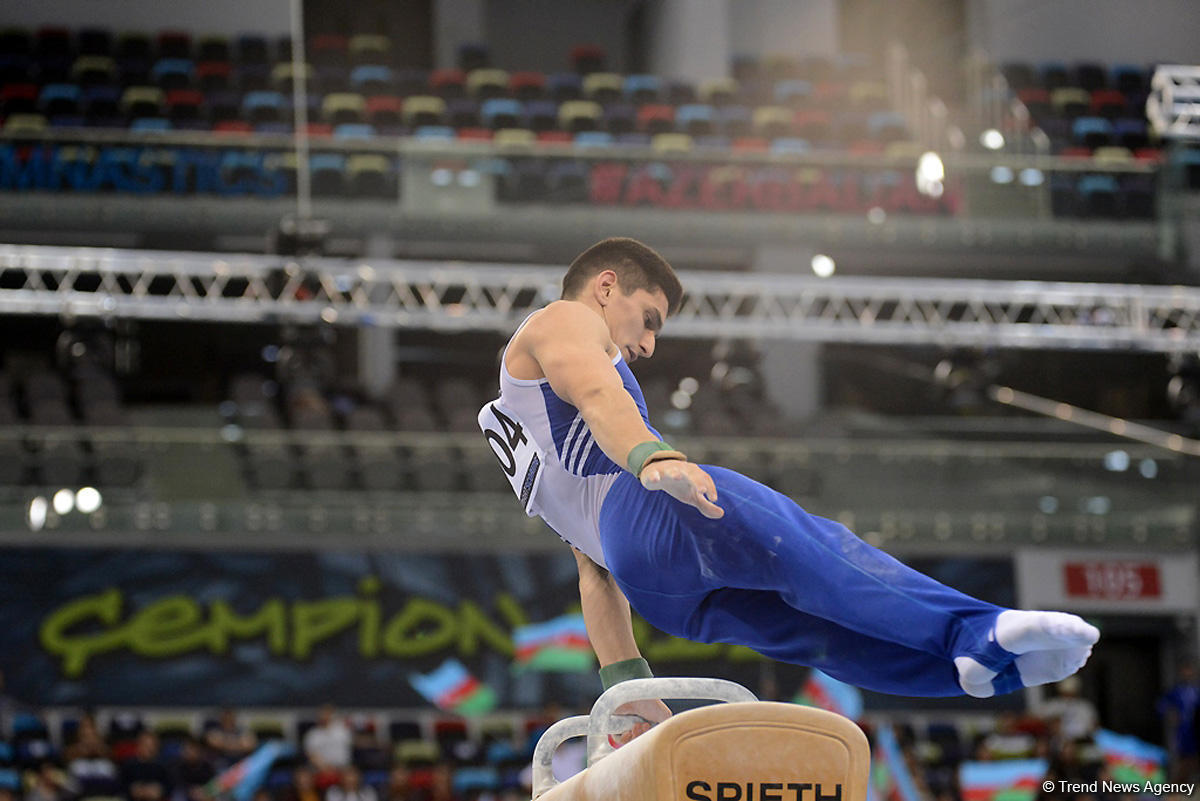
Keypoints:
(227, 17)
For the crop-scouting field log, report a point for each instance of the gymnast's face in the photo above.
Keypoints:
(633, 319)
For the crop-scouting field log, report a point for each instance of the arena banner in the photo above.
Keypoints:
(171, 627)
(1102, 581)
(256, 172)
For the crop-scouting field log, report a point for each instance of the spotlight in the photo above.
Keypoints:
(88, 500)
(931, 173)
(823, 266)
(36, 516)
(992, 139)
(64, 501)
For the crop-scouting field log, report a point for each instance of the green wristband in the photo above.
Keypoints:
(618, 672)
(639, 454)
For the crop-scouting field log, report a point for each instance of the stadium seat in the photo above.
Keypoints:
(526, 86)
(174, 44)
(330, 49)
(1054, 75)
(343, 107)
(462, 112)
(587, 58)
(485, 84)
(1129, 78)
(514, 138)
(771, 122)
(642, 89)
(251, 48)
(1092, 132)
(150, 124)
(132, 45)
(887, 126)
(671, 143)
(214, 76)
(414, 753)
(632, 139)
(15, 41)
(1070, 101)
(14, 68)
(656, 118)
(680, 92)
(695, 119)
(30, 124)
(94, 42)
(1113, 154)
(790, 146)
(371, 78)
(555, 137)
(94, 70)
(353, 130)
(618, 119)
(51, 41)
(329, 78)
(541, 115)
(448, 83)
(101, 103)
(502, 112)
(579, 115)
(473, 56)
(1131, 132)
(251, 77)
(1091, 76)
(1108, 103)
(733, 121)
(594, 139)
(424, 110)
(815, 125)
(260, 107)
(1099, 195)
(791, 92)
(370, 48)
(385, 112)
(18, 98)
(718, 91)
(173, 73)
(283, 74)
(602, 87)
(213, 47)
(567, 182)
(564, 86)
(869, 95)
(223, 106)
(410, 81)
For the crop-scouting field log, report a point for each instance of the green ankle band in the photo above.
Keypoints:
(618, 672)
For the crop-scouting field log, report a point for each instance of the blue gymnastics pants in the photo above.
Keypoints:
(794, 587)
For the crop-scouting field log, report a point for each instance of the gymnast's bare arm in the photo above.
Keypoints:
(610, 629)
(569, 344)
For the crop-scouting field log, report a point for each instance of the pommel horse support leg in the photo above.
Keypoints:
(742, 750)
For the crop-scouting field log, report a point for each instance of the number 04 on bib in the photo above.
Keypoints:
(518, 453)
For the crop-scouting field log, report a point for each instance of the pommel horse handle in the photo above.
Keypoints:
(603, 722)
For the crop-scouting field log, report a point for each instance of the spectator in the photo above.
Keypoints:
(1076, 716)
(228, 740)
(1179, 705)
(49, 783)
(89, 761)
(302, 788)
(145, 776)
(328, 747)
(399, 786)
(193, 771)
(441, 784)
(351, 788)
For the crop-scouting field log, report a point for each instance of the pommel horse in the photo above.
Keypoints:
(741, 750)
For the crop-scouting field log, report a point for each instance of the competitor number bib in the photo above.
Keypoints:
(518, 453)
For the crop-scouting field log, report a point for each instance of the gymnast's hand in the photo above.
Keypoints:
(685, 482)
(648, 713)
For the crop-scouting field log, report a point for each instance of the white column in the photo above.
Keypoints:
(376, 344)
(456, 22)
(791, 370)
(784, 27)
(689, 39)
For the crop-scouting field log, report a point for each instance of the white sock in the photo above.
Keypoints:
(1044, 667)
(1021, 632)
(974, 678)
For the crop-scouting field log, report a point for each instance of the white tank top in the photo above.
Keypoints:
(575, 475)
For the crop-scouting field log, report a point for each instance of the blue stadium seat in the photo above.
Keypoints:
(370, 78)
(60, 99)
(502, 113)
(353, 130)
(887, 126)
(791, 92)
(733, 121)
(150, 124)
(593, 139)
(640, 89)
(542, 115)
(562, 86)
(790, 145)
(328, 173)
(1129, 78)
(1131, 132)
(173, 73)
(434, 133)
(10, 779)
(635, 139)
(695, 119)
(475, 780)
(619, 118)
(1092, 132)
(1099, 195)
(263, 106)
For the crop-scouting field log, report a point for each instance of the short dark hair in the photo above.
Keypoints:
(637, 266)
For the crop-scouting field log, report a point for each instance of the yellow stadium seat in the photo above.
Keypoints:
(25, 124)
(514, 138)
(342, 107)
(671, 143)
(573, 112)
(718, 91)
(423, 110)
(487, 83)
(603, 87)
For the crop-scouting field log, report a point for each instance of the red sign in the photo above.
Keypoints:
(1113, 581)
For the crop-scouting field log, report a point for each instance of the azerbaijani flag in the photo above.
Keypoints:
(1130, 759)
(826, 692)
(560, 645)
(241, 779)
(890, 776)
(453, 689)
(1006, 780)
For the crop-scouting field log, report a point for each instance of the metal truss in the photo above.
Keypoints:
(159, 285)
